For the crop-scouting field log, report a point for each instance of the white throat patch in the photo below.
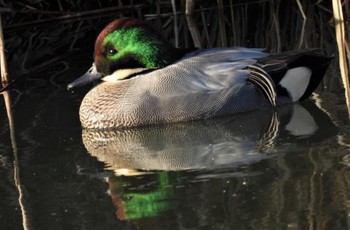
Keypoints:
(121, 74)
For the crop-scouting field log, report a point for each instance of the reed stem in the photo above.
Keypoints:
(16, 170)
(4, 77)
(341, 42)
(192, 26)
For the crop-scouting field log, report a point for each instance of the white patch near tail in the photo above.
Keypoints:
(296, 81)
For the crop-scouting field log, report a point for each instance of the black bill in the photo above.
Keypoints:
(90, 76)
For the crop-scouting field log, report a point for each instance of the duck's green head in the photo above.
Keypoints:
(128, 45)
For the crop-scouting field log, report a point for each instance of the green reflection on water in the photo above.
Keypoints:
(137, 205)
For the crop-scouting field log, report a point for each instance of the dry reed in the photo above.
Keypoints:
(4, 78)
(341, 42)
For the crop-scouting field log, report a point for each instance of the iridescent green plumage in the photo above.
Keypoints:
(134, 41)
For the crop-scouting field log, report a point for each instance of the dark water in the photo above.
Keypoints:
(284, 169)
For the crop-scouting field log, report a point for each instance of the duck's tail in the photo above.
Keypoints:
(296, 73)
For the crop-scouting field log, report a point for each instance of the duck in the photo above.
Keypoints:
(144, 80)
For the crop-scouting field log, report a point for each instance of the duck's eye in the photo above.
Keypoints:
(112, 51)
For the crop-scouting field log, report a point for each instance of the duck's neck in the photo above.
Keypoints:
(172, 54)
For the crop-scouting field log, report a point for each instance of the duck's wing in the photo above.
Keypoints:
(219, 67)
(230, 66)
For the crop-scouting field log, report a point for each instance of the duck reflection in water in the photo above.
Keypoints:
(153, 165)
